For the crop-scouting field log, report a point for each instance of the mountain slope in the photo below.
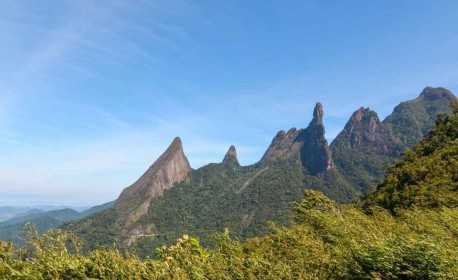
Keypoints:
(309, 144)
(365, 147)
(44, 221)
(59, 215)
(171, 199)
(325, 241)
(97, 208)
(8, 212)
(12, 229)
(428, 175)
(221, 195)
(412, 120)
(134, 201)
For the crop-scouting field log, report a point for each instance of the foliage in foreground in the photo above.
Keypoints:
(326, 241)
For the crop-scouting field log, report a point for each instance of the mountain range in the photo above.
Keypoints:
(12, 228)
(403, 228)
(171, 198)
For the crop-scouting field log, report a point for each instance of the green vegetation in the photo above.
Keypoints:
(365, 147)
(411, 120)
(404, 228)
(361, 169)
(96, 229)
(215, 197)
(12, 229)
(242, 198)
(325, 241)
(427, 177)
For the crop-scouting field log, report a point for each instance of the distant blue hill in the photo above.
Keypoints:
(12, 229)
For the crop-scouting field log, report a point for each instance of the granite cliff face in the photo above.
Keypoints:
(171, 167)
(308, 144)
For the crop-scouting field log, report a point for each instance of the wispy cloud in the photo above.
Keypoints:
(119, 157)
(92, 92)
(80, 34)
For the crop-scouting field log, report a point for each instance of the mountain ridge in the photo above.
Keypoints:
(219, 195)
(171, 167)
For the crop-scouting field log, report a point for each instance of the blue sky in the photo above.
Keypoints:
(92, 92)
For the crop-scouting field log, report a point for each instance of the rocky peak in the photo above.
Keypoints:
(364, 132)
(318, 114)
(171, 167)
(431, 93)
(315, 153)
(413, 119)
(364, 118)
(231, 156)
(282, 146)
(309, 145)
(175, 147)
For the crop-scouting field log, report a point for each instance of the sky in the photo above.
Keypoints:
(92, 92)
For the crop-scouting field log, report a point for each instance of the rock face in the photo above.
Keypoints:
(283, 146)
(308, 144)
(315, 153)
(365, 133)
(407, 125)
(171, 167)
(231, 156)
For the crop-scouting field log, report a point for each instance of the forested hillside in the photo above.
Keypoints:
(171, 198)
(405, 228)
(218, 195)
(366, 145)
(428, 175)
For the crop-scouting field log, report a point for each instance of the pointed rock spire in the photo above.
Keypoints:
(308, 144)
(315, 153)
(231, 156)
(318, 113)
(171, 167)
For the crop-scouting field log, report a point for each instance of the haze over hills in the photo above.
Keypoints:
(12, 228)
(171, 198)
